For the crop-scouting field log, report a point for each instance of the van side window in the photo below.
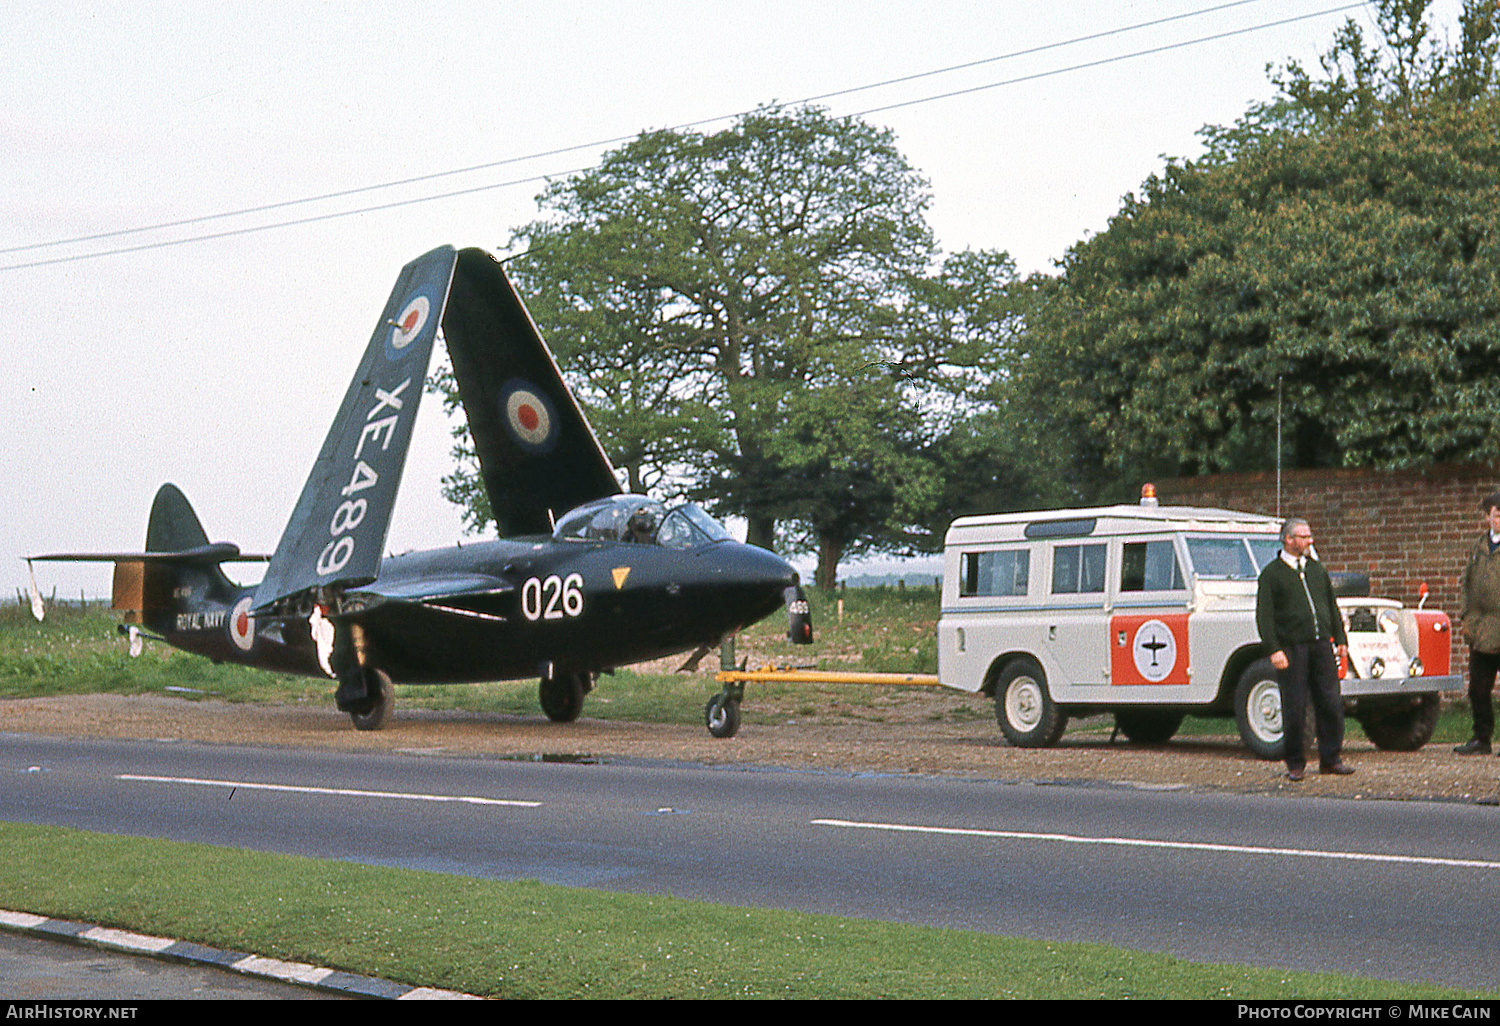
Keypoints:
(996, 573)
(1150, 566)
(1077, 569)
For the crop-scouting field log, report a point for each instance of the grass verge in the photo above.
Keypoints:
(531, 940)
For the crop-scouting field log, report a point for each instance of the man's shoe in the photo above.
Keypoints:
(1473, 746)
(1337, 769)
(1295, 775)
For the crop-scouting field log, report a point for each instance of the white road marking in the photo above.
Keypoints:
(346, 792)
(1144, 842)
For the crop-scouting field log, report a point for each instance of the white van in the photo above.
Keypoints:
(1148, 613)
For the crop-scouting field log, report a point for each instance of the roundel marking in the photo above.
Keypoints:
(529, 416)
(408, 325)
(1155, 650)
(242, 624)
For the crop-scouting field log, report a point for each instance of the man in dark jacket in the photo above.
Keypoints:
(1299, 624)
(1480, 617)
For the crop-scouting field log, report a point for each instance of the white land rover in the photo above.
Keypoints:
(1148, 613)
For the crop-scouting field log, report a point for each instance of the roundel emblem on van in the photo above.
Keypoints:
(1155, 650)
(242, 624)
(529, 416)
(409, 324)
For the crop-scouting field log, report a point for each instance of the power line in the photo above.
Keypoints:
(1109, 60)
(283, 204)
(581, 146)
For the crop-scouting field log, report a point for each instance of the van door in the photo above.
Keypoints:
(1148, 630)
(1076, 622)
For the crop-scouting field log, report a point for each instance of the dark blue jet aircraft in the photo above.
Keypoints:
(582, 580)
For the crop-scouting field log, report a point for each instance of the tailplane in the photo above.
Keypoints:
(177, 574)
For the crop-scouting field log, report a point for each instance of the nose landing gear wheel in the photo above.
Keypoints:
(722, 715)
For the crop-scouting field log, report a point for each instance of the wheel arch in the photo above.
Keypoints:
(1001, 662)
(1229, 676)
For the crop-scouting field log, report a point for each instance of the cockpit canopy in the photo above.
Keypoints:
(641, 520)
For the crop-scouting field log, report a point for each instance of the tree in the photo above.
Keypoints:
(738, 312)
(1342, 243)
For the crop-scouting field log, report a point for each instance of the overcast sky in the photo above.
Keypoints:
(218, 364)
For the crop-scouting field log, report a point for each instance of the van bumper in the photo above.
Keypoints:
(1364, 687)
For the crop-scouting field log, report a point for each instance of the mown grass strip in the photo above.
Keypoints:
(530, 940)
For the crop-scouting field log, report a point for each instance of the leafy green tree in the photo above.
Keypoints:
(1342, 243)
(748, 317)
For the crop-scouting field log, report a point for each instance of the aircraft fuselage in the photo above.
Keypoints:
(508, 609)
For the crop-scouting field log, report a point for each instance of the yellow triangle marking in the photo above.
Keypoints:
(620, 573)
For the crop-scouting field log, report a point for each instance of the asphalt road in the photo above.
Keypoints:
(1400, 890)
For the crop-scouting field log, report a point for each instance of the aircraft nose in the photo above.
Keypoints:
(767, 568)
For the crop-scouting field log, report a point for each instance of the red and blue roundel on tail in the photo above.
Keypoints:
(529, 416)
(407, 326)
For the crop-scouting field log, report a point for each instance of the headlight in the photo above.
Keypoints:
(1415, 669)
(1377, 667)
(1390, 623)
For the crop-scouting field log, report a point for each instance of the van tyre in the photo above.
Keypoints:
(1400, 724)
(1027, 715)
(1148, 726)
(1257, 710)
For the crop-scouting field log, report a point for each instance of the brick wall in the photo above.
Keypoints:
(1401, 527)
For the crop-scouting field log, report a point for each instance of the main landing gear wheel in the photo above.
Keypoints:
(1257, 710)
(562, 695)
(1027, 715)
(722, 715)
(375, 711)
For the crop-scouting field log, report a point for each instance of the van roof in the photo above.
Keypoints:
(1114, 519)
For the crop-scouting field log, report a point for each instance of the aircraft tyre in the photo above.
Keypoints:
(375, 712)
(722, 715)
(1147, 726)
(1027, 715)
(1257, 710)
(562, 696)
(1400, 724)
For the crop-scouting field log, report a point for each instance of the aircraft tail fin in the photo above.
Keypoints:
(179, 560)
(173, 526)
(336, 534)
(538, 455)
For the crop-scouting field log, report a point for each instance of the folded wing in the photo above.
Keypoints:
(538, 455)
(337, 531)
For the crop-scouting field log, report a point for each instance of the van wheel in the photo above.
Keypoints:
(1400, 724)
(1027, 715)
(1147, 726)
(1257, 710)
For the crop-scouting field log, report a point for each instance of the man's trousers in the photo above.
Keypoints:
(1311, 667)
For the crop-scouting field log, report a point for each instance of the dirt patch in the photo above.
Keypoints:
(920, 731)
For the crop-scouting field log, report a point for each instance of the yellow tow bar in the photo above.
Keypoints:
(825, 677)
(722, 717)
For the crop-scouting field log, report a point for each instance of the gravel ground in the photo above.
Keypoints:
(910, 730)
